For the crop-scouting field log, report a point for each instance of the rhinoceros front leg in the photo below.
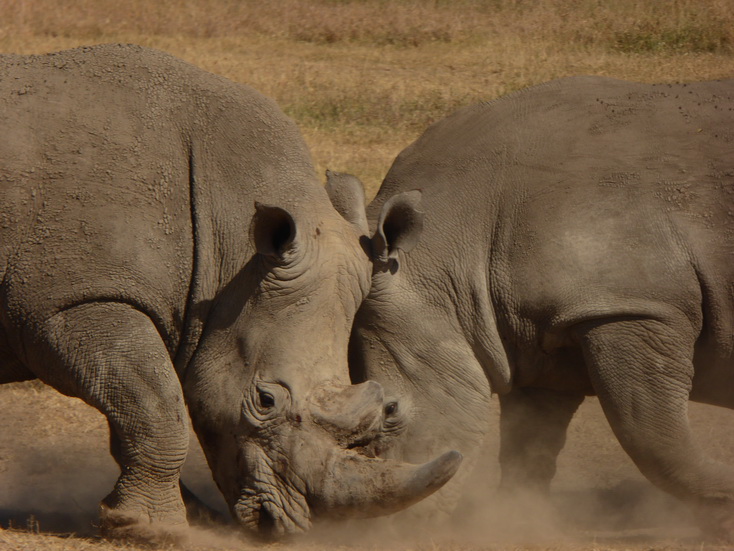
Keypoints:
(533, 424)
(642, 371)
(112, 356)
(197, 512)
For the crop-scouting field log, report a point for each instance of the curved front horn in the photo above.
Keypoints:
(357, 486)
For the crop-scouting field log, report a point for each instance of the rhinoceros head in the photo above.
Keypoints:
(269, 391)
(410, 340)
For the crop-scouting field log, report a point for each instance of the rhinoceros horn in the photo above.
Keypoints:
(325, 475)
(359, 486)
(350, 413)
(355, 485)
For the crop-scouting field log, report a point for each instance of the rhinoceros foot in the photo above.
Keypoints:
(133, 525)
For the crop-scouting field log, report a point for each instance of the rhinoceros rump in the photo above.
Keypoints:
(164, 246)
(577, 238)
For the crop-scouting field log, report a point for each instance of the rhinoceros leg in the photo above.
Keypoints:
(533, 423)
(111, 356)
(197, 512)
(642, 371)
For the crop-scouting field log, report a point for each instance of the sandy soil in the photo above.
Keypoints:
(54, 469)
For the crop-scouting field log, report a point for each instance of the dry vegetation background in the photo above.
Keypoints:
(363, 78)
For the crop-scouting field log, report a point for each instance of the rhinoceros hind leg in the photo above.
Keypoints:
(533, 424)
(111, 355)
(642, 371)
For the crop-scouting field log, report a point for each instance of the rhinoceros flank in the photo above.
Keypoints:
(571, 239)
(165, 246)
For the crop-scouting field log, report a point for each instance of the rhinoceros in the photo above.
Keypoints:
(166, 246)
(575, 238)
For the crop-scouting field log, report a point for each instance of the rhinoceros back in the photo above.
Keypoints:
(105, 151)
(618, 194)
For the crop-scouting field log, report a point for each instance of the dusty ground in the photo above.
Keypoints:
(54, 468)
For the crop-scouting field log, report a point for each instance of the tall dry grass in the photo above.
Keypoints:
(625, 25)
(365, 77)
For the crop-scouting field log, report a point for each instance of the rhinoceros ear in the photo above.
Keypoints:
(398, 227)
(272, 230)
(347, 195)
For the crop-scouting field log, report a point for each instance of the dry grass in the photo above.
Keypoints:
(364, 77)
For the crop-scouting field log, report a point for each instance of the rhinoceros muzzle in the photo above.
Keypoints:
(351, 484)
(325, 471)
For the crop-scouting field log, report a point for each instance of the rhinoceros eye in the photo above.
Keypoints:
(266, 399)
(393, 418)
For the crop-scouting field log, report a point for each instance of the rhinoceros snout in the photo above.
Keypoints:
(323, 474)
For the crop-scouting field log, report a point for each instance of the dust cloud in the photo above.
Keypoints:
(598, 495)
(55, 468)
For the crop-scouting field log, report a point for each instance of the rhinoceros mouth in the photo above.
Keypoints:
(351, 486)
(272, 516)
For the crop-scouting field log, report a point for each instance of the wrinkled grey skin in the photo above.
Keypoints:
(572, 239)
(165, 244)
